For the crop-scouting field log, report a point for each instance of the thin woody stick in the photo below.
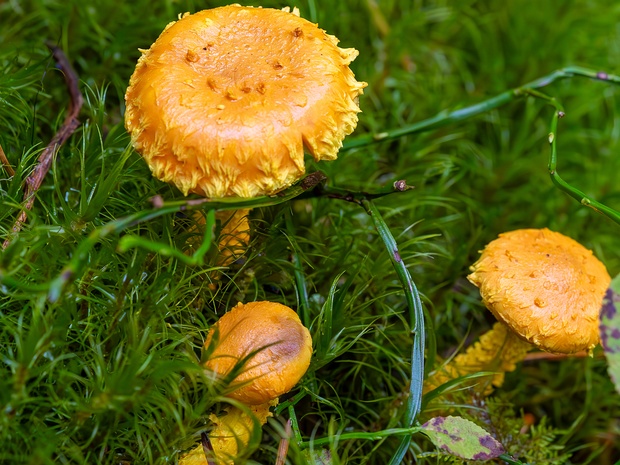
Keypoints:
(70, 124)
(284, 443)
(5, 162)
(207, 448)
(538, 356)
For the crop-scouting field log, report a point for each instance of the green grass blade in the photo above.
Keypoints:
(416, 317)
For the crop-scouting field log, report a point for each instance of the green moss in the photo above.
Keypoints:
(107, 370)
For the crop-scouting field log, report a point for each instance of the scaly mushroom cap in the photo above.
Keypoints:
(282, 344)
(225, 100)
(545, 286)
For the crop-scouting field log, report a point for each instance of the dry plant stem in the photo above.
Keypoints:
(5, 162)
(378, 18)
(70, 124)
(546, 356)
(284, 443)
(207, 448)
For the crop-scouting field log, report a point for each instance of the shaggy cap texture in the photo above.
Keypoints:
(498, 351)
(281, 344)
(225, 100)
(545, 286)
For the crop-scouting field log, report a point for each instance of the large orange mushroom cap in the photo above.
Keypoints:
(545, 286)
(225, 100)
(281, 344)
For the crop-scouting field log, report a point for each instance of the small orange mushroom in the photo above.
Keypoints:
(275, 349)
(281, 345)
(545, 286)
(545, 289)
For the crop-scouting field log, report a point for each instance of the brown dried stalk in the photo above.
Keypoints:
(5, 162)
(70, 124)
(284, 443)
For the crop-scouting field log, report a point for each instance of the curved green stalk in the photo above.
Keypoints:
(445, 118)
(56, 287)
(553, 161)
(575, 193)
(530, 89)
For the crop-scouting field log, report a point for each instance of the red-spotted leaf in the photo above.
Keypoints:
(462, 438)
(609, 327)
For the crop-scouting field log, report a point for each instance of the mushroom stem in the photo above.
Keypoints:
(498, 350)
(232, 432)
(233, 239)
(234, 236)
(230, 436)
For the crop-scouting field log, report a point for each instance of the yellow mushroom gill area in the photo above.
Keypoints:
(230, 434)
(498, 351)
(545, 286)
(225, 100)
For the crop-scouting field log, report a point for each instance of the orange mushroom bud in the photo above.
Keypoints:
(225, 100)
(281, 346)
(274, 348)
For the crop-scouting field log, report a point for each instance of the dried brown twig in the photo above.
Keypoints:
(284, 443)
(5, 162)
(69, 125)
